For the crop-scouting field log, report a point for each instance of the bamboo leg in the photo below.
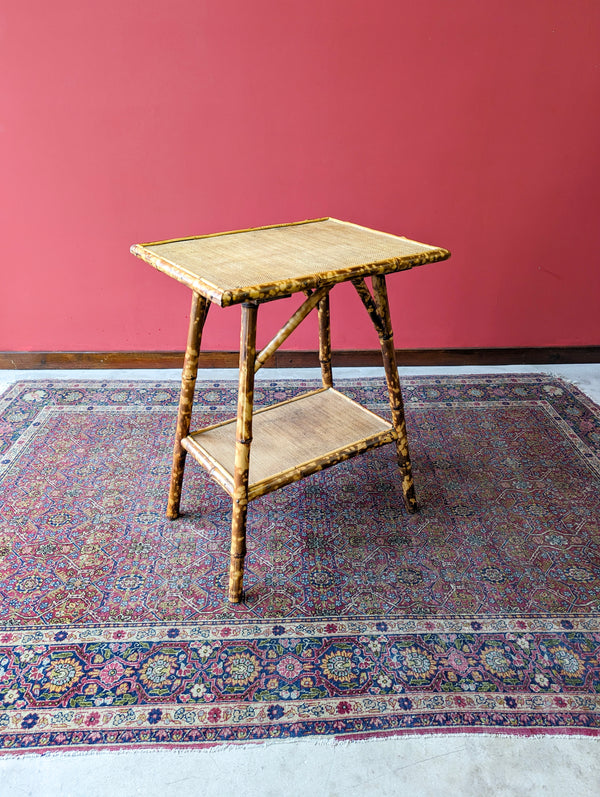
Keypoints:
(325, 342)
(198, 313)
(242, 451)
(367, 300)
(386, 340)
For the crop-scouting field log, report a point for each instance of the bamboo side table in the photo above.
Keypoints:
(295, 438)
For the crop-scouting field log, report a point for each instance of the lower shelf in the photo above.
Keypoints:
(291, 440)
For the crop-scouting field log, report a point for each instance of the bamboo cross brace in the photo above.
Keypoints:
(367, 300)
(284, 333)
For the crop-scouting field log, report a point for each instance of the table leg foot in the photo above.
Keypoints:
(404, 463)
(236, 592)
(172, 514)
(408, 491)
(238, 554)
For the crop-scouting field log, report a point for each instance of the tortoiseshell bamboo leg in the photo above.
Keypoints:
(325, 342)
(386, 340)
(198, 313)
(242, 451)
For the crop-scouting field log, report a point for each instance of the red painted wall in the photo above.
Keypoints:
(471, 125)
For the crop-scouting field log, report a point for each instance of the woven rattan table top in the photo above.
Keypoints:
(267, 262)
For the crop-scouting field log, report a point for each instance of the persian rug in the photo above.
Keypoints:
(479, 613)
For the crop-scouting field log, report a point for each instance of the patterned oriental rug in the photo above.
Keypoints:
(479, 613)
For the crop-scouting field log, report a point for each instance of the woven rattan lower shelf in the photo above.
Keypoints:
(291, 440)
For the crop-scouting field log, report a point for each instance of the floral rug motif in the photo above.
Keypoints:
(479, 613)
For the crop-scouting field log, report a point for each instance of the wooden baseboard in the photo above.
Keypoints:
(59, 360)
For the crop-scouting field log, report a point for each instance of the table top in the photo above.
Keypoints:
(267, 262)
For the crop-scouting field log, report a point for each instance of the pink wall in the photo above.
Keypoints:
(471, 125)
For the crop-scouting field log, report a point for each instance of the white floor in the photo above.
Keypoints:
(449, 765)
(586, 377)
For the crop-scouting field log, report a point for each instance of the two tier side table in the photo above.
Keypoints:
(260, 451)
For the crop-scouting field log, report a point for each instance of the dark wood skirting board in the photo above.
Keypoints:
(58, 360)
